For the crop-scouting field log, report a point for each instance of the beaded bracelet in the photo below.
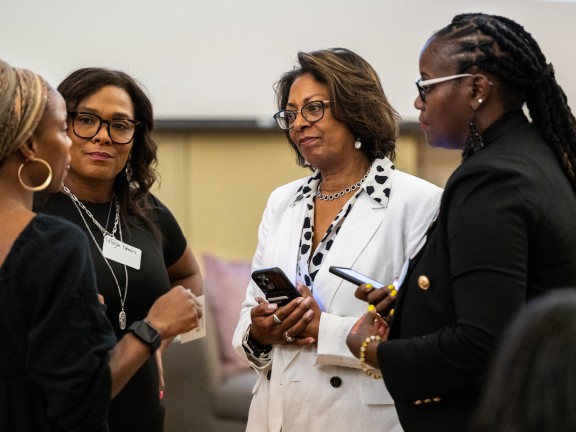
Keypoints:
(370, 372)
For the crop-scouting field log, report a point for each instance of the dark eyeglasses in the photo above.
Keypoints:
(312, 112)
(422, 85)
(87, 125)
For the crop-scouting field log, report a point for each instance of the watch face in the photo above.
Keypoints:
(149, 330)
(147, 334)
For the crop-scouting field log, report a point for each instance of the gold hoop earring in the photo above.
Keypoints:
(43, 185)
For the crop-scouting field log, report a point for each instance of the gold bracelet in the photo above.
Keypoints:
(370, 372)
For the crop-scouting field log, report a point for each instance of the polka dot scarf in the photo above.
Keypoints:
(377, 186)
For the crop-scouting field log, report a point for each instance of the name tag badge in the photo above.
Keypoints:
(121, 252)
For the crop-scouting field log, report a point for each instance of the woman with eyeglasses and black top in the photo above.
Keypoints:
(506, 230)
(137, 246)
(355, 210)
(60, 363)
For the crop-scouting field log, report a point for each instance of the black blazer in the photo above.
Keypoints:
(506, 232)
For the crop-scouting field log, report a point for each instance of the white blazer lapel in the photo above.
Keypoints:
(284, 253)
(358, 229)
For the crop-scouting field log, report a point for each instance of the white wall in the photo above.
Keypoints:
(218, 59)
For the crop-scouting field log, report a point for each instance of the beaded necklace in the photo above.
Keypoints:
(318, 194)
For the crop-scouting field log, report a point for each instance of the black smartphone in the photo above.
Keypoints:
(276, 286)
(355, 277)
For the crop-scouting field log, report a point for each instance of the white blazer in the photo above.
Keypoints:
(322, 387)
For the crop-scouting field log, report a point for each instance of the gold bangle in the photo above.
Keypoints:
(370, 372)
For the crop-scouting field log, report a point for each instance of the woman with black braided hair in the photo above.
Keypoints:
(506, 230)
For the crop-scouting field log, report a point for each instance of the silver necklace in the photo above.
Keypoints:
(79, 206)
(83, 207)
(318, 194)
(109, 213)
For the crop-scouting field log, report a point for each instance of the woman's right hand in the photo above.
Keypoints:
(294, 318)
(175, 312)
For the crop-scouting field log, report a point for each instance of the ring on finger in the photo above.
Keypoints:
(276, 319)
(288, 337)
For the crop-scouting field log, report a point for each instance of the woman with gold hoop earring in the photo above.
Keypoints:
(60, 364)
(107, 194)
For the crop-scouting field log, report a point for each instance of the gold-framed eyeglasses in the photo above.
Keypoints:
(423, 85)
(312, 112)
(87, 125)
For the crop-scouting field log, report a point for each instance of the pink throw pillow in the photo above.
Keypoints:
(225, 285)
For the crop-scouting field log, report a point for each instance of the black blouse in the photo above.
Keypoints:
(137, 406)
(54, 335)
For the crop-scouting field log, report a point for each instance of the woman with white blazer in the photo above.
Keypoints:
(355, 210)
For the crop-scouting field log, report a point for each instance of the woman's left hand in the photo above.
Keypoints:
(313, 328)
(383, 299)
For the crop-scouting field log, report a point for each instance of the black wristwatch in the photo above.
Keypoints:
(144, 331)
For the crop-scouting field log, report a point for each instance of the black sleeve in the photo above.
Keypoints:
(70, 335)
(174, 242)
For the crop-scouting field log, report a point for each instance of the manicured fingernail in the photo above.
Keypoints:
(161, 394)
(369, 287)
(371, 308)
(299, 300)
(308, 301)
(309, 314)
(272, 306)
(391, 314)
(393, 293)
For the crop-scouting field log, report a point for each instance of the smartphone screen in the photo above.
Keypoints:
(354, 276)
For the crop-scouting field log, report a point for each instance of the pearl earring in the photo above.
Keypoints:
(358, 144)
(480, 101)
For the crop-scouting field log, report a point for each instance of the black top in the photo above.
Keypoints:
(506, 232)
(137, 406)
(54, 335)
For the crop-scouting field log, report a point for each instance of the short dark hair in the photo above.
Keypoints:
(357, 94)
(86, 81)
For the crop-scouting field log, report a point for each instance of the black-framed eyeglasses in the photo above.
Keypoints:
(312, 112)
(87, 125)
(423, 85)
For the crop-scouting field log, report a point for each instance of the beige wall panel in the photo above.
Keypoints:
(217, 183)
(174, 178)
(217, 186)
(436, 164)
(407, 154)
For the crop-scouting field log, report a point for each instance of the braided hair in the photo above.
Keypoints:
(502, 48)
